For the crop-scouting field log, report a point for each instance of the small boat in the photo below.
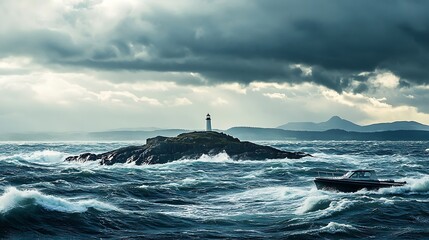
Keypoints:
(354, 181)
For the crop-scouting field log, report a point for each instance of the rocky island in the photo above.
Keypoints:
(187, 146)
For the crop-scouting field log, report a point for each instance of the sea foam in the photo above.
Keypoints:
(39, 157)
(420, 185)
(334, 227)
(266, 194)
(14, 198)
(313, 203)
(413, 186)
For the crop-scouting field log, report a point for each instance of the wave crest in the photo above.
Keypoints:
(40, 157)
(314, 203)
(44, 156)
(334, 227)
(421, 185)
(413, 186)
(13, 198)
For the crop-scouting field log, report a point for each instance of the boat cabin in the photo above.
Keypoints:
(361, 175)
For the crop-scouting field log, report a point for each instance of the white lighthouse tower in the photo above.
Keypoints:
(208, 123)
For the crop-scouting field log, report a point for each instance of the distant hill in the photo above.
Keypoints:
(399, 125)
(250, 133)
(339, 123)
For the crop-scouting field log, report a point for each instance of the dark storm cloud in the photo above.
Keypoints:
(247, 41)
(45, 44)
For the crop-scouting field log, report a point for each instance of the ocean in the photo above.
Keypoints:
(43, 197)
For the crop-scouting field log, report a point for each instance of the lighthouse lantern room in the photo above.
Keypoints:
(208, 123)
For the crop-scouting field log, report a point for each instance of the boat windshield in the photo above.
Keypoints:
(368, 175)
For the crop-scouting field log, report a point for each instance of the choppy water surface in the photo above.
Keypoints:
(43, 197)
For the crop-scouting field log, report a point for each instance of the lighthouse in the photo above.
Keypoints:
(208, 123)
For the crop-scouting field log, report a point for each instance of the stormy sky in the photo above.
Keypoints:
(92, 65)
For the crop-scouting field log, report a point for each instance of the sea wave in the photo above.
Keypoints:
(334, 227)
(313, 203)
(337, 206)
(413, 186)
(266, 194)
(420, 185)
(218, 158)
(45, 156)
(40, 157)
(13, 198)
(331, 228)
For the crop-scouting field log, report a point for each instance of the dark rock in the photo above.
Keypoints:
(187, 146)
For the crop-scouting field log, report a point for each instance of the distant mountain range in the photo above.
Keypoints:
(339, 123)
(251, 133)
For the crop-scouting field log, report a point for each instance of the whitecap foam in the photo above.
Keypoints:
(413, 186)
(313, 203)
(86, 171)
(318, 203)
(43, 157)
(189, 181)
(220, 157)
(334, 227)
(186, 182)
(267, 194)
(259, 194)
(253, 174)
(13, 198)
(340, 205)
(223, 157)
(387, 201)
(420, 185)
(144, 186)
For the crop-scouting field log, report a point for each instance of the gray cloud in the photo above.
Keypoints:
(244, 41)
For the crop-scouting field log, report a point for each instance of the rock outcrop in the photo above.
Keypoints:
(187, 146)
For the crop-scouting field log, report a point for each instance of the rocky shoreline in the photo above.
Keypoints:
(190, 145)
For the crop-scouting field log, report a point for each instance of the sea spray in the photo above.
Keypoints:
(420, 185)
(413, 186)
(45, 156)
